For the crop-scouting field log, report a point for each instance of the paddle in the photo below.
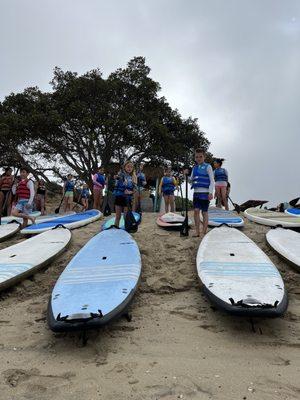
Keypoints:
(181, 195)
(184, 231)
(237, 208)
(7, 194)
(139, 209)
(61, 201)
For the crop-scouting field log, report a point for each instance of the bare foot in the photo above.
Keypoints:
(32, 219)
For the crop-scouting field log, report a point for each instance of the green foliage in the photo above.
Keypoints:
(88, 120)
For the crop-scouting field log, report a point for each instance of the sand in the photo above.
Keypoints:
(177, 345)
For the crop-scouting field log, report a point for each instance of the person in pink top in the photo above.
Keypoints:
(98, 186)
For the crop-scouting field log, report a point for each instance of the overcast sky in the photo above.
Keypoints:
(233, 64)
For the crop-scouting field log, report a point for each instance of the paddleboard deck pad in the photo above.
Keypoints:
(98, 284)
(286, 243)
(272, 218)
(72, 221)
(218, 217)
(25, 258)
(237, 275)
(111, 221)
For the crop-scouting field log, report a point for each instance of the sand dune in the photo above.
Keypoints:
(177, 346)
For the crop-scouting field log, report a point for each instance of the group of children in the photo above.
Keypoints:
(127, 188)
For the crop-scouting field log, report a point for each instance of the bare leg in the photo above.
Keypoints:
(118, 215)
(25, 217)
(166, 198)
(197, 221)
(219, 197)
(224, 197)
(96, 194)
(1, 202)
(8, 204)
(172, 203)
(205, 221)
(42, 202)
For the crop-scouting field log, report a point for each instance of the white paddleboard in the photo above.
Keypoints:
(286, 243)
(272, 218)
(238, 276)
(98, 284)
(218, 217)
(8, 230)
(25, 258)
(69, 221)
(6, 220)
(172, 218)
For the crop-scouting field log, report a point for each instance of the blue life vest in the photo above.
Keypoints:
(100, 179)
(141, 179)
(200, 176)
(168, 184)
(69, 186)
(85, 193)
(124, 182)
(220, 175)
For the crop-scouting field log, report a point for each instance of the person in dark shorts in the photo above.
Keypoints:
(203, 183)
(125, 187)
(40, 197)
(6, 183)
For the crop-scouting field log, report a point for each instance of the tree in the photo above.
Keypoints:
(88, 120)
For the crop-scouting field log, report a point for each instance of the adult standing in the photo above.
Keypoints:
(98, 186)
(6, 183)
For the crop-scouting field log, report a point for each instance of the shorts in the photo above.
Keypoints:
(21, 207)
(168, 193)
(221, 184)
(123, 201)
(69, 194)
(200, 202)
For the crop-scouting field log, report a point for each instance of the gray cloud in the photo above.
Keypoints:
(234, 64)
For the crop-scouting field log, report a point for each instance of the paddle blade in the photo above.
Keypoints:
(107, 210)
(184, 231)
(131, 225)
(57, 210)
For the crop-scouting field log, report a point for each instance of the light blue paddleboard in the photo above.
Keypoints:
(98, 284)
(111, 221)
(69, 221)
(218, 216)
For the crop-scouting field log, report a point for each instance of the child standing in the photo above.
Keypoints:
(141, 183)
(24, 191)
(167, 187)
(98, 186)
(41, 196)
(125, 186)
(84, 196)
(68, 192)
(202, 179)
(221, 182)
(6, 183)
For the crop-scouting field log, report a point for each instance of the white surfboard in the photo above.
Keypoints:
(98, 284)
(8, 230)
(286, 243)
(238, 276)
(39, 218)
(218, 216)
(272, 218)
(25, 258)
(69, 221)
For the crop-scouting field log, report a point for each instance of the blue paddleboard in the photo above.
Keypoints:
(218, 216)
(98, 284)
(69, 221)
(293, 211)
(111, 221)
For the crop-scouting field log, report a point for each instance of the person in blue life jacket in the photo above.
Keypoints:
(202, 179)
(221, 183)
(99, 181)
(84, 196)
(68, 192)
(125, 187)
(141, 183)
(167, 188)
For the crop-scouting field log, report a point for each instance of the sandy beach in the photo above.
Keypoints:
(177, 346)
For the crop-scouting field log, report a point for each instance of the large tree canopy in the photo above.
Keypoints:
(88, 120)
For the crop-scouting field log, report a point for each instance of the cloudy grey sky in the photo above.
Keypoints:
(233, 64)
